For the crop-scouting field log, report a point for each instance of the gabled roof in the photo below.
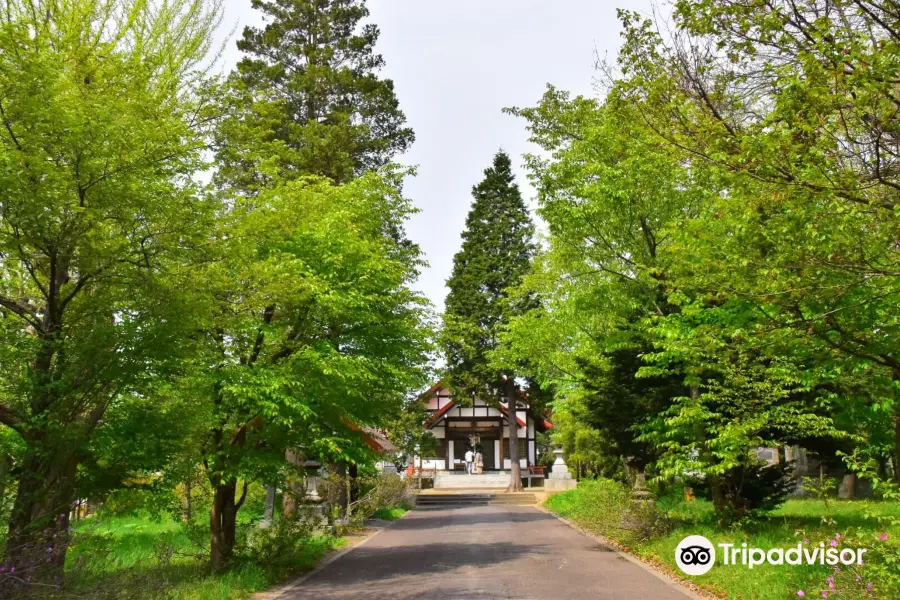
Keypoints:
(373, 438)
(440, 413)
(505, 411)
(542, 423)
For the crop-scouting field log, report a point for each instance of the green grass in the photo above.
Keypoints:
(143, 559)
(389, 514)
(598, 506)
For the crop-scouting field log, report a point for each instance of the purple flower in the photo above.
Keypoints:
(837, 536)
(12, 569)
(831, 585)
(869, 586)
(833, 543)
(806, 541)
(830, 579)
(824, 593)
(801, 594)
(883, 537)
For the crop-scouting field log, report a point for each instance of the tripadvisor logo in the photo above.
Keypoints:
(695, 555)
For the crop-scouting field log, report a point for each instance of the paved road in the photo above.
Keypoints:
(483, 552)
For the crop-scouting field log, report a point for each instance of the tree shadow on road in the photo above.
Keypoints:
(370, 564)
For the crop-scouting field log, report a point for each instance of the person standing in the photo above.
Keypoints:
(469, 458)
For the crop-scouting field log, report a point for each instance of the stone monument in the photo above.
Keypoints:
(559, 479)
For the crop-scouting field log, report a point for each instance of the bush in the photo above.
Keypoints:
(279, 544)
(606, 507)
(756, 489)
(750, 491)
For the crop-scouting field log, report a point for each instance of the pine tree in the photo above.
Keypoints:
(496, 253)
(307, 100)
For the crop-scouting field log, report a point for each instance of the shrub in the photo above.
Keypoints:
(750, 491)
(279, 544)
(755, 489)
(606, 507)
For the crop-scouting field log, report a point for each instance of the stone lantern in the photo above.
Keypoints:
(559, 479)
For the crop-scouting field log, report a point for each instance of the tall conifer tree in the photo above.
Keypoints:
(496, 253)
(307, 100)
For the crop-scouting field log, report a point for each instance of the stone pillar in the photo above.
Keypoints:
(269, 511)
(498, 458)
(560, 479)
(639, 491)
(451, 461)
(847, 490)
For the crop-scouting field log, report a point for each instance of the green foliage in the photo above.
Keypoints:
(820, 487)
(312, 327)
(790, 114)
(585, 450)
(135, 557)
(279, 544)
(389, 514)
(857, 523)
(496, 253)
(405, 431)
(306, 98)
(102, 109)
(606, 507)
(387, 492)
(719, 273)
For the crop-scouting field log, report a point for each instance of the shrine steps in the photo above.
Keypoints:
(435, 499)
(444, 480)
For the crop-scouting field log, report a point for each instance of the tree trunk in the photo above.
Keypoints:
(341, 471)
(186, 507)
(39, 523)
(896, 459)
(222, 522)
(419, 482)
(353, 472)
(4, 470)
(717, 495)
(515, 472)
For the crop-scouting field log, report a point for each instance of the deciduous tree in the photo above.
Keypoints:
(99, 141)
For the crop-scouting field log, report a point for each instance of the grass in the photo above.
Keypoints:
(598, 507)
(140, 558)
(389, 514)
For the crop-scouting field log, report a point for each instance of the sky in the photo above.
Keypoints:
(455, 66)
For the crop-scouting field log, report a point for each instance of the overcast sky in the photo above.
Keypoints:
(455, 66)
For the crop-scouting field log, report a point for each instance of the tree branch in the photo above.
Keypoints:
(10, 419)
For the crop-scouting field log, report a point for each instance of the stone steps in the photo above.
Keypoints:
(449, 499)
(466, 481)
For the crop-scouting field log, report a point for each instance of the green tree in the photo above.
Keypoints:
(667, 372)
(313, 332)
(496, 254)
(609, 198)
(98, 146)
(307, 98)
(793, 112)
(406, 432)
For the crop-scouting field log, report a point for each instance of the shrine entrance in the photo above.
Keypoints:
(477, 441)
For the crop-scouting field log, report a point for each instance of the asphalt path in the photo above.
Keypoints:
(483, 552)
